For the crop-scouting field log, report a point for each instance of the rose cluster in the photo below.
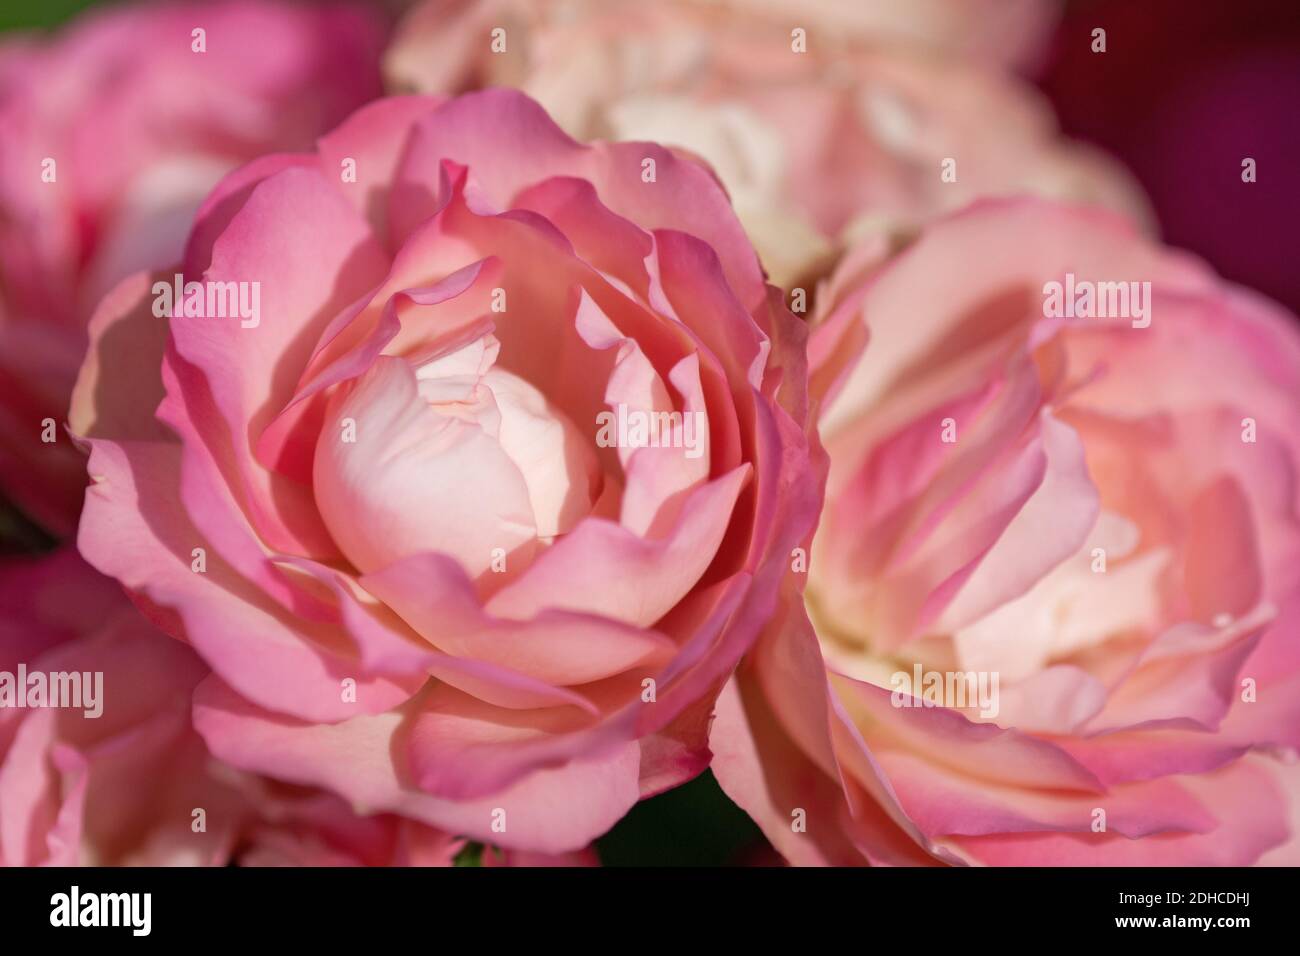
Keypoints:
(443, 435)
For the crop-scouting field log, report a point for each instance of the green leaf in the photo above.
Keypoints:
(693, 825)
(471, 854)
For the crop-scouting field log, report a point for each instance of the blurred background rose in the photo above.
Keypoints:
(822, 120)
(139, 127)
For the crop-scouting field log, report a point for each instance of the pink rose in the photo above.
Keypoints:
(110, 135)
(293, 827)
(443, 42)
(70, 775)
(474, 514)
(998, 32)
(819, 137)
(1055, 594)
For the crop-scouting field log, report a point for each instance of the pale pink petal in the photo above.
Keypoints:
(356, 760)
